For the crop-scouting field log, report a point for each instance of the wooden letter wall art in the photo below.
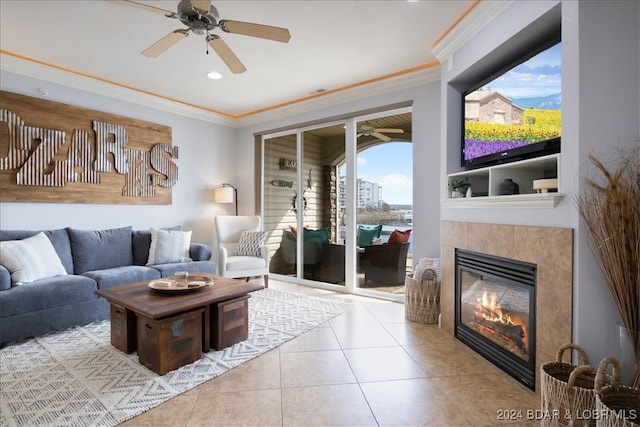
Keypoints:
(58, 153)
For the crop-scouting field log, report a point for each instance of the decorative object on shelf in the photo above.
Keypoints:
(545, 184)
(458, 187)
(282, 183)
(609, 207)
(507, 187)
(227, 193)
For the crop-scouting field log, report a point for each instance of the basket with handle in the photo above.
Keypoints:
(567, 390)
(422, 297)
(616, 405)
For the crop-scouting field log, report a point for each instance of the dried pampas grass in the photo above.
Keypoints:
(610, 207)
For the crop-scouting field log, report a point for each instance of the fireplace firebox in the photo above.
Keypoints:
(495, 311)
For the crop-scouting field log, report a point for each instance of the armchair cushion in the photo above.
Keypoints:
(321, 235)
(367, 233)
(251, 243)
(398, 236)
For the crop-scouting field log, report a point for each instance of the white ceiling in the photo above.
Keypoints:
(333, 44)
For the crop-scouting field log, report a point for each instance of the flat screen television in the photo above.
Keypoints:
(515, 113)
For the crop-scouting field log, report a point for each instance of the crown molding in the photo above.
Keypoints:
(368, 90)
(479, 17)
(51, 74)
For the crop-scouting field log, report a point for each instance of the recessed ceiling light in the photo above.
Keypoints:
(214, 75)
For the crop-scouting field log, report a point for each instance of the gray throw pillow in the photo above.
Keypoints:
(100, 249)
(251, 243)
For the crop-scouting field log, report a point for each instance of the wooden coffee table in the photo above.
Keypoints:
(133, 302)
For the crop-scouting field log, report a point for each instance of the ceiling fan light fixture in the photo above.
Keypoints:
(214, 75)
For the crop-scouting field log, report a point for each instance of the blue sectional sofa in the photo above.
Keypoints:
(92, 259)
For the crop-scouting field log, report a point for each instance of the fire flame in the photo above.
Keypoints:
(490, 310)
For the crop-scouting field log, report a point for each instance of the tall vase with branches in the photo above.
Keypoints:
(610, 208)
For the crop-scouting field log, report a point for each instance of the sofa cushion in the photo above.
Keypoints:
(141, 242)
(59, 239)
(169, 246)
(251, 243)
(47, 293)
(398, 236)
(121, 275)
(367, 233)
(321, 235)
(100, 249)
(30, 259)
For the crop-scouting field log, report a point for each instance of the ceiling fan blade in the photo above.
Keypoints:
(381, 136)
(256, 30)
(385, 130)
(146, 7)
(165, 43)
(201, 5)
(226, 54)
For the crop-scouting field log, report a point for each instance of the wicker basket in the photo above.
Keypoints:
(616, 405)
(567, 391)
(422, 298)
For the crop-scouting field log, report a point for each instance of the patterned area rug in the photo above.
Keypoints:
(76, 378)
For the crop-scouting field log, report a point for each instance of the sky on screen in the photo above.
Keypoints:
(539, 76)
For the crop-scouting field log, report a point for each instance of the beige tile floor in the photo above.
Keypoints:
(367, 367)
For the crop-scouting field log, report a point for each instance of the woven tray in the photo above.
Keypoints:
(422, 298)
(567, 391)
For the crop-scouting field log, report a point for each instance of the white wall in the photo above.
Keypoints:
(601, 107)
(426, 167)
(607, 82)
(203, 163)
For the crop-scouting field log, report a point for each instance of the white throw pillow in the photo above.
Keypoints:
(30, 259)
(251, 243)
(169, 246)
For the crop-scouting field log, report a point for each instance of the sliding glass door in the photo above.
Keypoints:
(333, 192)
(300, 204)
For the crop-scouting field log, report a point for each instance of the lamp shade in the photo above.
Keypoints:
(223, 195)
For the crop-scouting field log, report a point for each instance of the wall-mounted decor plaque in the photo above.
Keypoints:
(58, 153)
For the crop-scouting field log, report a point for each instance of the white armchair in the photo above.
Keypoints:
(230, 264)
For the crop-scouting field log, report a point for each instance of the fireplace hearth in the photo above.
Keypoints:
(495, 311)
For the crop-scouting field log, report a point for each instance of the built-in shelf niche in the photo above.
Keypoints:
(485, 183)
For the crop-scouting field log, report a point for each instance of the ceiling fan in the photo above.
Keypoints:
(366, 130)
(201, 17)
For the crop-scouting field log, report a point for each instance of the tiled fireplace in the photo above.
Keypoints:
(537, 321)
(495, 311)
